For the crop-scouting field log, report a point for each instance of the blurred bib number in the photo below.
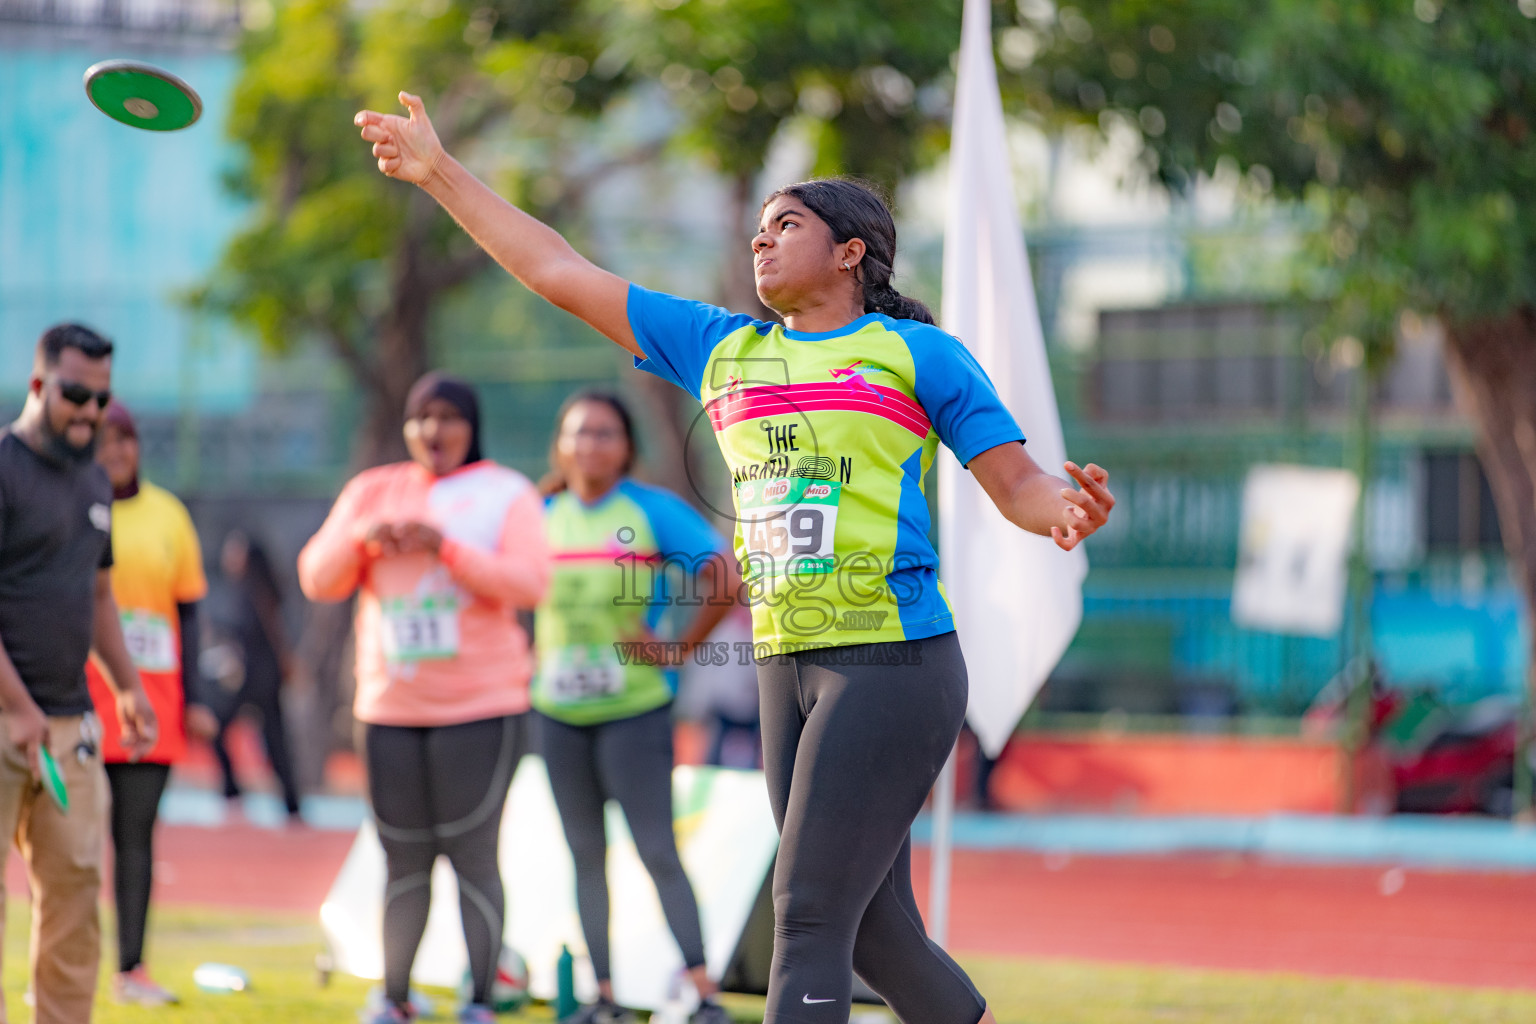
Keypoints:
(585, 673)
(789, 523)
(421, 627)
(151, 641)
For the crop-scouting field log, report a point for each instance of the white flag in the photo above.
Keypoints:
(1017, 597)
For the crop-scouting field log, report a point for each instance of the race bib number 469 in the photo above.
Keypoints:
(789, 524)
(420, 627)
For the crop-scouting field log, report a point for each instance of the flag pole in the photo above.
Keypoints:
(941, 845)
(1017, 599)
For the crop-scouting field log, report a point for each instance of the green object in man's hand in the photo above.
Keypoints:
(53, 779)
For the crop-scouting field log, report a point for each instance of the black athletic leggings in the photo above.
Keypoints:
(441, 789)
(853, 740)
(630, 761)
(262, 691)
(136, 790)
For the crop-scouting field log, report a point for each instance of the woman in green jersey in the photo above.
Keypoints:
(624, 555)
(827, 422)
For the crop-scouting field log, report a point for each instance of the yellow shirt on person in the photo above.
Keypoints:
(157, 564)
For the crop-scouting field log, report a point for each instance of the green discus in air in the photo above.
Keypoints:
(142, 96)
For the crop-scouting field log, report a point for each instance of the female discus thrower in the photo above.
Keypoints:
(827, 423)
(444, 549)
(605, 723)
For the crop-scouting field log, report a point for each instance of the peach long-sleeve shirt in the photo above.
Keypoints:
(437, 639)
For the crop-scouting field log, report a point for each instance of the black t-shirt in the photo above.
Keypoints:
(55, 534)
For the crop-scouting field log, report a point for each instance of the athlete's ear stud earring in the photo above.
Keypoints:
(847, 267)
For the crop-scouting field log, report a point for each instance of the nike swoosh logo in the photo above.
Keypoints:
(809, 1001)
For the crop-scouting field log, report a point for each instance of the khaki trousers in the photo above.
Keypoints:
(63, 854)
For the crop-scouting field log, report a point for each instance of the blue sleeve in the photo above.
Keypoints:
(678, 527)
(957, 395)
(678, 335)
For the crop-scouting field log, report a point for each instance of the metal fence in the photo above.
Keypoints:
(158, 17)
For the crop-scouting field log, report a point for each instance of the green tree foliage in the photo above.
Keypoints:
(337, 251)
(869, 80)
(1406, 124)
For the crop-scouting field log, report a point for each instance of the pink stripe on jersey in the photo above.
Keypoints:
(603, 555)
(791, 399)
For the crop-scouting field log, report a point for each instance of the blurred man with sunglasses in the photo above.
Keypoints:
(56, 607)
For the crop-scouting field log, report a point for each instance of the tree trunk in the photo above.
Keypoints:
(400, 358)
(1494, 365)
(738, 284)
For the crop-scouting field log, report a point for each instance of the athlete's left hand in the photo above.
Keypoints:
(201, 722)
(644, 646)
(1087, 508)
(137, 717)
(415, 536)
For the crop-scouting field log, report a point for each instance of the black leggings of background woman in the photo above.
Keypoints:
(254, 624)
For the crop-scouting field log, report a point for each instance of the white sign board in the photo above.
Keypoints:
(1291, 565)
(727, 841)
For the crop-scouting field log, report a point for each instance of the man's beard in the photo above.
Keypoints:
(60, 448)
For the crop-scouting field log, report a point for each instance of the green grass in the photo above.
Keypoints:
(278, 952)
(1058, 992)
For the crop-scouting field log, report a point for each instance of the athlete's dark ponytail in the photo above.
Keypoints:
(554, 481)
(853, 209)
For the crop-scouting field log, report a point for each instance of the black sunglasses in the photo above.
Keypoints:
(79, 394)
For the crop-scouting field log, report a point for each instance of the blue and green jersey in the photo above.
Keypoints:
(827, 437)
(619, 565)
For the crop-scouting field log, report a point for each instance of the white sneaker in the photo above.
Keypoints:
(137, 988)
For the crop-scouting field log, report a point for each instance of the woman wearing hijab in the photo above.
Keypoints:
(442, 551)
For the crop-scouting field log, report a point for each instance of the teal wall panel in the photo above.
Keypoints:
(104, 223)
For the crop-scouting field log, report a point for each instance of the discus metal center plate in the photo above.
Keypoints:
(142, 96)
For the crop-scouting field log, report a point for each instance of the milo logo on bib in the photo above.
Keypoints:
(790, 528)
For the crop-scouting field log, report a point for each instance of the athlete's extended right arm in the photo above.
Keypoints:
(408, 148)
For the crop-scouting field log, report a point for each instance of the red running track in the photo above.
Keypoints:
(1222, 912)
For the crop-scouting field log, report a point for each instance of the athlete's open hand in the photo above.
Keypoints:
(201, 722)
(379, 541)
(411, 537)
(1088, 507)
(645, 647)
(136, 716)
(387, 540)
(406, 147)
(28, 729)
